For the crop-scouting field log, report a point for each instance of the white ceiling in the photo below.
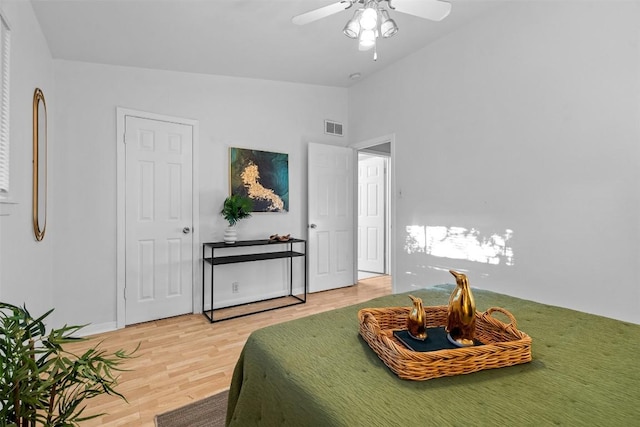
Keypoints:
(245, 38)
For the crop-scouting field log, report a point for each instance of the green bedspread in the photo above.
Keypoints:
(318, 371)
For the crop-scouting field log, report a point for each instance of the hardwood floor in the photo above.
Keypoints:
(183, 359)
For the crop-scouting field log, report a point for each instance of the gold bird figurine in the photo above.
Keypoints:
(461, 313)
(416, 321)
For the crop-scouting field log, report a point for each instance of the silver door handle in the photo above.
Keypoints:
(186, 230)
(312, 226)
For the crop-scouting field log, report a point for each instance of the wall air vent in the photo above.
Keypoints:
(332, 128)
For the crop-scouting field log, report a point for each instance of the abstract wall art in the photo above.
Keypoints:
(263, 176)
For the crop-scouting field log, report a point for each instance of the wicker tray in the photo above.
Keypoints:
(504, 345)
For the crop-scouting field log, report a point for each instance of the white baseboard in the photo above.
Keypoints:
(93, 329)
(251, 299)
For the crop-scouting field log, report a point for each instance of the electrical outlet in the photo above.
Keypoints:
(234, 287)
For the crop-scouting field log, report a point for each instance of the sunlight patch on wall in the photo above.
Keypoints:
(460, 243)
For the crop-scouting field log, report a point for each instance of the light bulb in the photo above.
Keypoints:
(369, 18)
(367, 40)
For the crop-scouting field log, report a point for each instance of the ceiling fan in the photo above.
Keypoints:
(372, 18)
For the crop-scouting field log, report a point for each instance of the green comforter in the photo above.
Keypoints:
(318, 371)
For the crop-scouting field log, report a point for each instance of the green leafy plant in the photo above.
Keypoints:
(43, 384)
(236, 208)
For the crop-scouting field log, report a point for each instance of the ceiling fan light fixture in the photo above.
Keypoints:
(367, 40)
(372, 19)
(352, 29)
(369, 18)
(363, 48)
(388, 26)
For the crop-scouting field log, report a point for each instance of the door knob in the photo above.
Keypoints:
(186, 230)
(312, 226)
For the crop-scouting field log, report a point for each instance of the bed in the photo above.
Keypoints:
(318, 371)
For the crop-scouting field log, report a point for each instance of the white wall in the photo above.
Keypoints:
(265, 115)
(25, 264)
(526, 120)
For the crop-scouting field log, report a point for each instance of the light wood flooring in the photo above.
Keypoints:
(185, 358)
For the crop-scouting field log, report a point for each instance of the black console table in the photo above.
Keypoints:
(215, 258)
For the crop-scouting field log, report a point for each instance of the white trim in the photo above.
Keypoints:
(98, 328)
(217, 305)
(391, 198)
(5, 108)
(122, 113)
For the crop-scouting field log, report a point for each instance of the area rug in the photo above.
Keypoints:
(208, 412)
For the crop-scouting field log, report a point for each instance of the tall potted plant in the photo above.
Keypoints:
(40, 382)
(234, 209)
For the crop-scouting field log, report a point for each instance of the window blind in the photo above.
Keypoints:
(5, 44)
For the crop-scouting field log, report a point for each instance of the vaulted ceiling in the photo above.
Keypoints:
(244, 38)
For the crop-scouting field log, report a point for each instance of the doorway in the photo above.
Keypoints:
(157, 259)
(373, 211)
(375, 208)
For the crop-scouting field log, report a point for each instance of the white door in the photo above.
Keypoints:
(158, 219)
(371, 213)
(331, 220)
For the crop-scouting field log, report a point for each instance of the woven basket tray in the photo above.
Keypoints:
(504, 345)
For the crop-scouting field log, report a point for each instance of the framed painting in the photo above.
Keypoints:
(263, 176)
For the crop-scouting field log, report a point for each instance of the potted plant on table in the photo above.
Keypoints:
(41, 383)
(234, 209)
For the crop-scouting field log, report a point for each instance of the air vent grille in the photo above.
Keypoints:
(332, 128)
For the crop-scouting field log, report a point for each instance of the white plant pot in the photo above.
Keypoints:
(230, 235)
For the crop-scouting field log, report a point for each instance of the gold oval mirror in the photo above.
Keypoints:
(39, 164)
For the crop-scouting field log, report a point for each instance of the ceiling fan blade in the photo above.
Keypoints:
(322, 12)
(434, 10)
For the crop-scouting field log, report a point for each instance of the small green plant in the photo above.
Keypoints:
(236, 208)
(40, 382)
